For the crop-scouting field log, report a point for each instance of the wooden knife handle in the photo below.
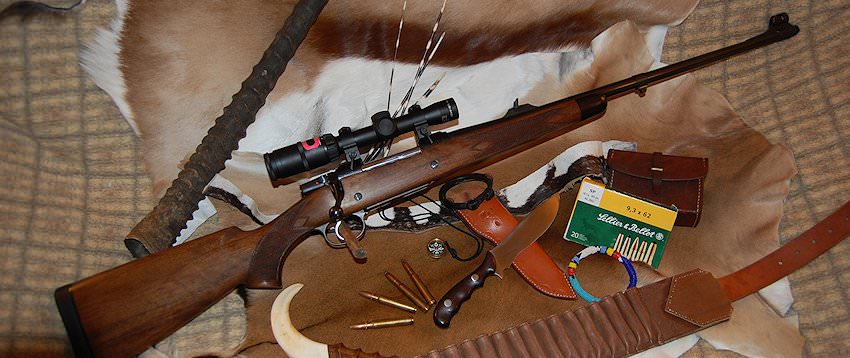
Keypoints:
(449, 305)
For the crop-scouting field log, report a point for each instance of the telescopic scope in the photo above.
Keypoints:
(326, 148)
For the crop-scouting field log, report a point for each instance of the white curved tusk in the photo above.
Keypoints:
(293, 342)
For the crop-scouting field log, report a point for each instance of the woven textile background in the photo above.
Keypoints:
(73, 184)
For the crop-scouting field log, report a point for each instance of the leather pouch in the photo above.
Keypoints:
(665, 179)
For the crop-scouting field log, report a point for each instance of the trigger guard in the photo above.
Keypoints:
(334, 240)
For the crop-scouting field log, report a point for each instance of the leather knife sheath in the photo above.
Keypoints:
(492, 221)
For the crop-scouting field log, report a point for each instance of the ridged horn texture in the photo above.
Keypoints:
(159, 228)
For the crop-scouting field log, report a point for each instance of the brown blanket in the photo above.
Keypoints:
(75, 185)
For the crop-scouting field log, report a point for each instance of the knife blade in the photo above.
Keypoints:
(497, 259)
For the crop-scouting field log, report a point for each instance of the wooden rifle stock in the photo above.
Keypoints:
(123, 311)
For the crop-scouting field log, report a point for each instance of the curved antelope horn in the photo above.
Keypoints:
(293, 342)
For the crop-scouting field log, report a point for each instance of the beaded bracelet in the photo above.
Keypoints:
(590, 250)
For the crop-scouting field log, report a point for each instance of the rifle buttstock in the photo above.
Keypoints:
(123, 311)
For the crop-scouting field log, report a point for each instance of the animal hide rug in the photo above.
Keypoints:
(172, 66)
(744, 191)
(745, 188)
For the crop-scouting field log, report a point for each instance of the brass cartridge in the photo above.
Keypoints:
(406, 291)
(388, 302)
(383, 323)
(420, 285)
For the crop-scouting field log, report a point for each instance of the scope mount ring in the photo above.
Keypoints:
(332, 230)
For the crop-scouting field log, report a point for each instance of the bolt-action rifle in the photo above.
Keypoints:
(122, 311)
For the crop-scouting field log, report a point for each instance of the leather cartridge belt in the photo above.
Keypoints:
(640, 318)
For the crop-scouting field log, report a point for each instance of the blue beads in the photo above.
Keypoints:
(590, 250)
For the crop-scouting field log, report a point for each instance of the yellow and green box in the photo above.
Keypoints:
(637, 228)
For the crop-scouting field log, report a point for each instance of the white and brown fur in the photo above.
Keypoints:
(171, 66)
(175, 64)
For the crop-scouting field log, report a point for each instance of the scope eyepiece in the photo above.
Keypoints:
(301, 157)
(313, 153)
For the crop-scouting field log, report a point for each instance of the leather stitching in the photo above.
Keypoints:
(699, 192)
(613, 171)
(475, 228)
(522, 273)
(683, 316)
(540, 288)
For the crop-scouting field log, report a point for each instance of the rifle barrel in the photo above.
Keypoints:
(779, 29)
